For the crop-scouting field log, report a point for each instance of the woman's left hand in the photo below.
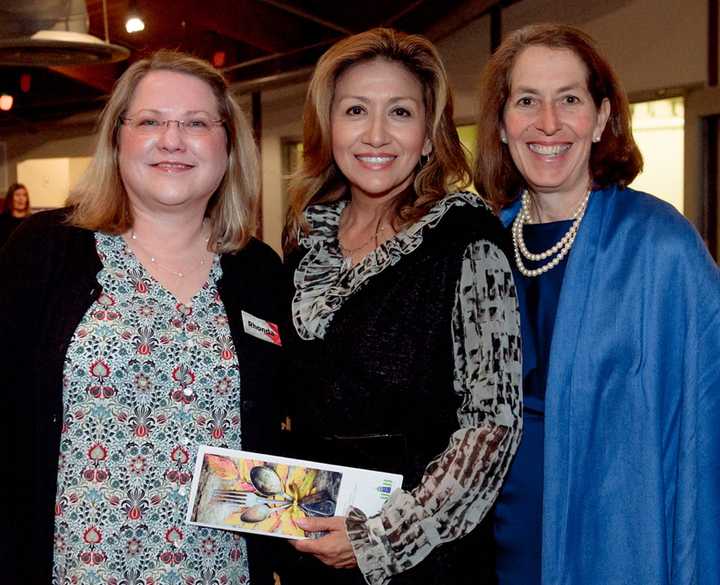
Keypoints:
(333, 549)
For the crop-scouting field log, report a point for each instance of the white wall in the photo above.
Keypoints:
(465, 54)
(651, 43)
(49, 180)
(658, 128)
(282, 119)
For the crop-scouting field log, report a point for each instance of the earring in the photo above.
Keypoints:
(503, 137)
(596, 139)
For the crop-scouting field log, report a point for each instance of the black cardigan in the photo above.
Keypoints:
(47, 282)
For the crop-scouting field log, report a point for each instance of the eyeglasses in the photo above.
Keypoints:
(155, 126)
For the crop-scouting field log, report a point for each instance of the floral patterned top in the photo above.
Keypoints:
(146, 380)
(457, 489)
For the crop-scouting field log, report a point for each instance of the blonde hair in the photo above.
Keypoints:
(100, 201)
(320, 181)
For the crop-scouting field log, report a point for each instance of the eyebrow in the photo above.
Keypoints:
(366, 100)
(187, 112)
(563, 89)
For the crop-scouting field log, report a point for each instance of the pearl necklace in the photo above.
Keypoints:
(559, 250)
(154, 262)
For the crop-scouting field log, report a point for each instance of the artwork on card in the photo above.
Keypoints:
(250, 492)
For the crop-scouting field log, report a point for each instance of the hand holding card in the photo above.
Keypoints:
(262, 494)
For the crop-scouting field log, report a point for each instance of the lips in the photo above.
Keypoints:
(172, 166)
(549, 149)
(376, 159)
(376, 162)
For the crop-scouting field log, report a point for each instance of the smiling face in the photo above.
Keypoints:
(378, 125)
(550, 121)
(170, 169)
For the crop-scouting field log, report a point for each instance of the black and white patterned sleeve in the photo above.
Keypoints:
(460, 485)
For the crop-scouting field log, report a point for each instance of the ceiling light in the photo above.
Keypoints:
(133, 22)
(6, 102)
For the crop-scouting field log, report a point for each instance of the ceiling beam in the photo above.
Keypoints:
(256, 23)
(412, 6)
(307, 16)
(100, 77)
(459, 17)
(276, 56)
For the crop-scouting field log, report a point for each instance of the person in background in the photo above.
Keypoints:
(405, 344)
(617, 478)
(123, 346)
(15, 210)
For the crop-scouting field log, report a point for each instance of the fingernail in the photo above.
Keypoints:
(301, 522)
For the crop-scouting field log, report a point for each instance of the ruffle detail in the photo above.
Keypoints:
(370, 545)
(321, 282)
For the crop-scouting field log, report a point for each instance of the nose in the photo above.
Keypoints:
(376, 130)
(171, 136)
(548, 120)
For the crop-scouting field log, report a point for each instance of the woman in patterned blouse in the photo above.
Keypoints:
(132, 300)
(406, 336)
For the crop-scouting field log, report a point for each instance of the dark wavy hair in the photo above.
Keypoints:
(616, 159)
(10, 196)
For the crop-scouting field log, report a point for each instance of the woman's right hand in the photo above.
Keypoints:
(333, 549)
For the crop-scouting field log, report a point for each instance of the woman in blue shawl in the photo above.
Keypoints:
(617, 479)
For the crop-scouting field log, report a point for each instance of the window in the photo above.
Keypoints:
(659, 131)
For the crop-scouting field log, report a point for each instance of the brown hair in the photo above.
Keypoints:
(320, 181)
(615, 159)
(100, 201)
(10, 199)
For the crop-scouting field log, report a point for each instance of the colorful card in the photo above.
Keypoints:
(264, 494)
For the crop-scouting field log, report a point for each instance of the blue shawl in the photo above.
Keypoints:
(632, 412)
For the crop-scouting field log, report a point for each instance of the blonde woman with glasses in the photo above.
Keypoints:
(123, 345)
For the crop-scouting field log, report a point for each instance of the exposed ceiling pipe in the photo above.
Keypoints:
(274, 56)
(307, 16)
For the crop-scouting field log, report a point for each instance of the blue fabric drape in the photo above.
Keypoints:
(631, 490)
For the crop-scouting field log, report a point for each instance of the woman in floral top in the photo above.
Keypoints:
(132, 300)
(406, 334)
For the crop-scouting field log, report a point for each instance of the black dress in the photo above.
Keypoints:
(375, 388)
(8, 223)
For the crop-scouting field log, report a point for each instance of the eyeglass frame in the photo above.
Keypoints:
(164, 125)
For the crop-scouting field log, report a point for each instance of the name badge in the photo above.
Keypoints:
(261, 329)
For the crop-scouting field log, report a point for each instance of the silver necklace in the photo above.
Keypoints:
(154, 261)
(557, 251)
